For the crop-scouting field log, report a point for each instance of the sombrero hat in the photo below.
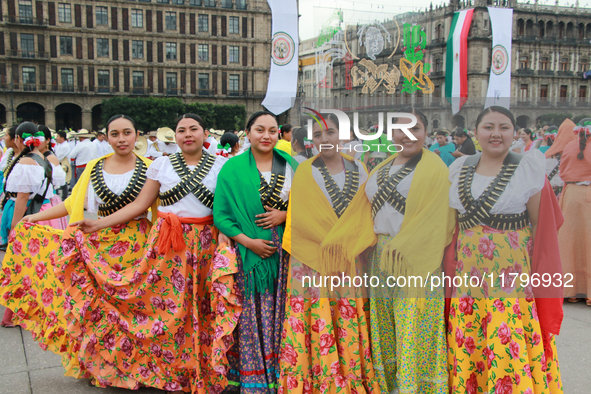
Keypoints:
(141, 146)
(83, 133)
(152, 133)
(165, 134)
(65, 163)
(3, 132)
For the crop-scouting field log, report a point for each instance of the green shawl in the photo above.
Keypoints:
(237, 201)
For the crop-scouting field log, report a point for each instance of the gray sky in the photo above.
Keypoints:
(315, 12)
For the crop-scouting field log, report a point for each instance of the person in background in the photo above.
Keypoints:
(211, 144)
(527, 137)
(155, 146)
(62, 150)
(83, 152)
(230, 141)
(465, 145)
(443, 148)
(284, 142)
(548, 138)
(100, 136)
(476, 143)
(301, 145)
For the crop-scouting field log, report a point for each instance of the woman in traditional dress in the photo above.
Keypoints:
(563, 137)
(405, 211)
(547, 139)
(325, 346)
(166, 321)
(575, 235)
(12, 152)
(229, 145)
(500, 331)
(27, 190)
(527, 137)
(301, 145)
(284, 141)
(250, 207)
(33, 263)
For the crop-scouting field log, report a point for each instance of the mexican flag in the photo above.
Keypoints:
(456, 68)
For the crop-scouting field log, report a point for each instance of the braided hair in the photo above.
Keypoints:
(299, 135)
(25, 127)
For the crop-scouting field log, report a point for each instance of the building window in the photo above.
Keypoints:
(29, 79)
(138, 81)
(234, 82)
(163, 1)
(25, 11)
(563, 92)
(438, 65)
(203, 23)
(209, 3)
(66, 45)
(145, 1)
(544, 63)
(64, 12)
(178, 2)
(584, 64)
(137, 49)
(234, 25)
(307, 74)
(170, 20)
(564, 65)
(102, 17)
(234, 51)
(439, 32)
(104, 81)
(203, 52)
(171, 51)
(67, 79)
(544, 92)
(582, 92)
(102, 47)
(524, 62)
(28, 45)
(203, 84)
(137, 18)
(194, 2)
(226, 3)
(523, 92)
(520, 27)
(171, 84)
(241, 4)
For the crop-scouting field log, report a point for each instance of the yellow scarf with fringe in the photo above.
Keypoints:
(75, 202)
(426, 230)
(311, 218)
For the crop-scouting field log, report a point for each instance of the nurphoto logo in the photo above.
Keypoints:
(345, 129)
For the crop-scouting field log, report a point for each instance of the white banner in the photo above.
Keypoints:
(499, 83)
(283, 78)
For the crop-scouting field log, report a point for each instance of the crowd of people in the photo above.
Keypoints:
(193, 276)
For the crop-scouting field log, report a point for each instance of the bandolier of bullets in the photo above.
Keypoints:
(190, 181)
(112, 202)
(387, 191)
(554, 171)
(270, 191)
(340, 199)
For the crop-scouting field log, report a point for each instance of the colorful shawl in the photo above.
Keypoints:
(237, 202)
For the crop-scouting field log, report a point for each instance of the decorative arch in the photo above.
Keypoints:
(68, 116)
(31, 112)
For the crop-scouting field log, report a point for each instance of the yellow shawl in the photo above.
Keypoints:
(426, 230)
(75, 203)
(311, 218)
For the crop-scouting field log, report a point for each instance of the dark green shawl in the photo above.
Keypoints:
(237, 201)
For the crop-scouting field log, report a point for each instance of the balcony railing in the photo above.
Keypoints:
(28, 54)
(23, 20)
(69, 89)
(140, 91)
(174, 91)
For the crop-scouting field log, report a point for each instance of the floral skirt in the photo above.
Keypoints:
(494, 336)
(407, 337)
(325, 346)
(33, 290)
(254, 359)
(163, 321)
(574, 238)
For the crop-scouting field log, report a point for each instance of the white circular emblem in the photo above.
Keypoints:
(283, 48)
(500, 59)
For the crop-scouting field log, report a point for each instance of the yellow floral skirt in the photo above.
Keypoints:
(494, 336)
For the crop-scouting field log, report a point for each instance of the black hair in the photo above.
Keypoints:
(286, 128)
(461, 134)
(62, 134)
(115, 117)
(257, 115)
(441, 132)
(25, 127)
(583, 139)
(495, 108)
(46, 135)
(230, 139)
(528, 132)
(420, 116)
(12, 131)
(195, 117)
(299, 135)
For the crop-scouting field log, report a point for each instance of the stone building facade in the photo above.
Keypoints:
(551, 50)
(60, 59)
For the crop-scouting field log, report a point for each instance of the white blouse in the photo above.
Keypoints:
(286, 185)
(117, 183)
(58, 176)
(388, 220)
(528, 179)
(556, 181)
(338, 178)
(28, 178)
(161, 171)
